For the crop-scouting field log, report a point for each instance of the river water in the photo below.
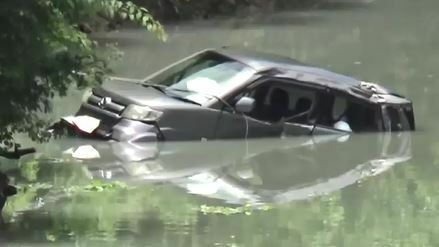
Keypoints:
(369, 190)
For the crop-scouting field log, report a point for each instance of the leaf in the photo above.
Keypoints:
(139, 16)
(50, 237)
(119, 4)
(123, 15)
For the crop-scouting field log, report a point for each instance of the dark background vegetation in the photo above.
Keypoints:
(170, 10)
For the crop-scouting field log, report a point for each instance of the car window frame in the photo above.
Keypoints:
(405, 120)
(376, 106)
(213, 102)
(232, 98)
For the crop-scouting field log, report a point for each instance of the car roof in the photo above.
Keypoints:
(285, 67)
(261, 62)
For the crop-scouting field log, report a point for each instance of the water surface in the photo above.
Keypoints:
(370, 190)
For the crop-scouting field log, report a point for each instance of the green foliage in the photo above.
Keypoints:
(42, 51)
(29, 170)
(82, 11)
(97, 186)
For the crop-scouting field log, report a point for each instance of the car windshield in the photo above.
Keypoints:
(202, 77)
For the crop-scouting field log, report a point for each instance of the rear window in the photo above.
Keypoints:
(362, 117)
(398, 118)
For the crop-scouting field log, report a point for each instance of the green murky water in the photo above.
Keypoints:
(372, 190)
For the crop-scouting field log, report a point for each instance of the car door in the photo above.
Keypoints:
(233, 124)
(273, 104)
(230, 125)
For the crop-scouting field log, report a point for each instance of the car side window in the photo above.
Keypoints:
(348, 115)
(276, 101)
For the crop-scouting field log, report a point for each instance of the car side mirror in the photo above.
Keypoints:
(245, 105)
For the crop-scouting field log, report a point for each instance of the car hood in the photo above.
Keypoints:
(126, 93)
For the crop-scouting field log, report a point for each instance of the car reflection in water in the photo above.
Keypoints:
(255, 171)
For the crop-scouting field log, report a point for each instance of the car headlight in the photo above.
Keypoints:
(141, 113)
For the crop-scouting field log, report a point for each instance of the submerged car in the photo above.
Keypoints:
(225, 93)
